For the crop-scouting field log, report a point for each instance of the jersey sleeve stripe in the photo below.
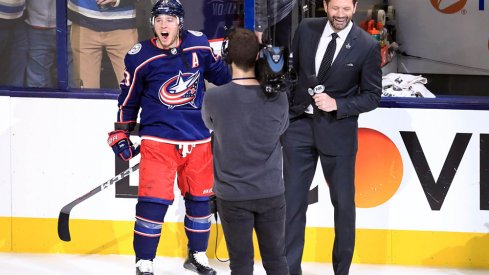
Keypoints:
(133, 82)
(207, 48)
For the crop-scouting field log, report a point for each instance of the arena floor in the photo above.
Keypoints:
(60, 264)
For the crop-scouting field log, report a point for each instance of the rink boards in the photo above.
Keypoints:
(422, 186)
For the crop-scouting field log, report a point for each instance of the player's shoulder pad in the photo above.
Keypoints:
(139, 53)
(196, 33)
(196, 37)
(135, 49)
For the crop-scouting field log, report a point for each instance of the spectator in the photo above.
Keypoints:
(143, 12)
(41, 63)
(219, 17)
(274, 17)
(13, 43)
(100, 25)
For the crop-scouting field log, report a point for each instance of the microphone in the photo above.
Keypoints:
(316, 90)
(313, 85)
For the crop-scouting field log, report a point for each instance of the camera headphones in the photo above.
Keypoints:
(273, 68)
(225, 45)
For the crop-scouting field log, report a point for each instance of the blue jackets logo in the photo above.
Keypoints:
(180, 90)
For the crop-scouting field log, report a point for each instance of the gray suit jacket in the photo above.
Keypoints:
(354, 80)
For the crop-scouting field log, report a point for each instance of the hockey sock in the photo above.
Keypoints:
(147, 228)
(197, 224)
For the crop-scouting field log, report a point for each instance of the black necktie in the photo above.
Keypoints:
(327, 58)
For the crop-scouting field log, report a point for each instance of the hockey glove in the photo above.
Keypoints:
(122, 145)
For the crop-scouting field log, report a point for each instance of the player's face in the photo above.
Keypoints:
(167, 29)
(340, 13)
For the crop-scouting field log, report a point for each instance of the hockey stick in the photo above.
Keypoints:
(64, 214)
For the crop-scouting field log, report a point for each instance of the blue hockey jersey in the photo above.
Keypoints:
(168, 87)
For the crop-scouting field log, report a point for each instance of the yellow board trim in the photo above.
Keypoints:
(373, 246)
(5, 234)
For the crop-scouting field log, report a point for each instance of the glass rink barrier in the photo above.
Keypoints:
(77, 44)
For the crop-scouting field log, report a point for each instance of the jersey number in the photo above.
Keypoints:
(127, 79)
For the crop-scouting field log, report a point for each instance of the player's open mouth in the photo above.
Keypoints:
(164, 35)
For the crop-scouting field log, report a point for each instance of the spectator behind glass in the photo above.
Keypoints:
(279, 14)
(220, 16)
(99, 25)
(13, 43)
(143, 12)
(41, 62)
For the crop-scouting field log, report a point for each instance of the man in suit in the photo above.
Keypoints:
(324, 125)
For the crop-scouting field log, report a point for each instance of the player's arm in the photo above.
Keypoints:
(123, 3)
(216, 70)
(129, 104)
(129, 100)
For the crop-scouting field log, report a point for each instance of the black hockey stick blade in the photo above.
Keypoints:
(64, 214)
(64, 227)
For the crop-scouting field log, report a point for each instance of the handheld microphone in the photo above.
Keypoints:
(316, 90)
(313, 85)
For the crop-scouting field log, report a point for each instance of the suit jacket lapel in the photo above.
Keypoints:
(316, 34)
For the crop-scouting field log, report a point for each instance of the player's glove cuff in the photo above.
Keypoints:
(122, 145)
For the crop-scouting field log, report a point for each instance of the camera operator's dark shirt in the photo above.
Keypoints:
(247, 152)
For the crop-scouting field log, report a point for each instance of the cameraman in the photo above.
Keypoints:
(247, 124)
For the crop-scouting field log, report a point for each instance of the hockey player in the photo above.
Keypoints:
(164, 78)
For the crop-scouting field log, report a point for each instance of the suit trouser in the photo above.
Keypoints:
(300, 159)
(267, 217)
(88, 46)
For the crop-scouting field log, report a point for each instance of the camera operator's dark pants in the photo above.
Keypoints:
(267, 217)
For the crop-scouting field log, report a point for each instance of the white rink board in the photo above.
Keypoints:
(59, 152)
(5, 185)
(409, 209)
